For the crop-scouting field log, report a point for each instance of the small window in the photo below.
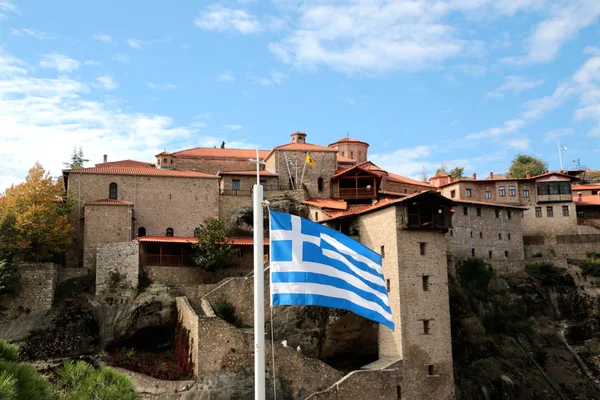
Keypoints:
(505, 253)
(343, 154)
(387, 284)
(425, 327)
(471, 233)
(499, 236)
(497, 213)
(526, 193)
(451, 232)
(453, 193)
(472, 252)
(405, 190)
(430, 370)
(565, 210)
(352, 155)
(594, 192)
(480, 235)
(509, 236)
(263, 182)
(141, 231)
(320, 185)
(479, 211)
(112, 191)
(466, 210)
(490, 254)
(422, 248)
(538, 211)
(425, 283)
(511, 191)
(550, 211)
(508, 214)
(502, 191)
(169, 231)
(236, 184)
(316, 216)
(488, 194)
(468, 192)
(382, 251)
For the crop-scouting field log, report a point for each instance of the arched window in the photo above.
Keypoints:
(169, 231)
(320, 184)
(141, 231)
(165, 161)
(112, 191)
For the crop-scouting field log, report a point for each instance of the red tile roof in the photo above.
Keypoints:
(126, 163)
(143, 171)
(391, 193)
(248, 172)
(408, 181)
(209, 152)
(239, 241)
(361, 167)
(304, 147)
(348, 140)
(115, 202)
(487, 180)
(585, 187)
(484, 203)
(335, 204)
(587, 200)
(163, 153)
(345, 159)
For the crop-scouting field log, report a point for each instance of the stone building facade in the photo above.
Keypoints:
(352, 149)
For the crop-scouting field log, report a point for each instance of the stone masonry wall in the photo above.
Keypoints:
(381, 384)
(117, 269)
(325, 166)
(187, 319)
(38, 283)
(174, 276)
(500, 235)
(212, 165)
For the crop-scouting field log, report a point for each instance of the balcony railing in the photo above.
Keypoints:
(356, 193)
(166, 260)
(437, 221)
(555, 197)
(248, 192)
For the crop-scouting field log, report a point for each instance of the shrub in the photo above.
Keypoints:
(29, 384)
(594, 255)
(548, 274)
(143, 281)
(224, 309)
(9, 277)
(475, 274)
(80, 380)
(8, 386)
(8, 352)
(590, 267)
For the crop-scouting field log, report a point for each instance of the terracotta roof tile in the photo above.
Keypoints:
(209, 152)
(487, 180)
(587, 200)
(163, 153)
(126, 163)
(248, 172)
(348, 140)
(304, 147)
(115, 202)
(345, 159)
(335, 204)
(143, 171)
(585, 187)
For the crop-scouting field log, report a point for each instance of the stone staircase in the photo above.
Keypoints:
(589, 222)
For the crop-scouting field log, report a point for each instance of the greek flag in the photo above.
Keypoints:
(563, 147)
(288, 160)
(318, 266)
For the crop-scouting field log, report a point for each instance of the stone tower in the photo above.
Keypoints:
(299, 137)
(352, 148)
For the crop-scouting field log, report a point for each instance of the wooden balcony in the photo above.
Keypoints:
(356, 193)
(170, 260)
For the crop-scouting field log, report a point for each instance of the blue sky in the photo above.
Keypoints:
(460, 82)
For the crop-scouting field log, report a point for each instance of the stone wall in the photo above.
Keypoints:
(175, 276)
(38, 283)
(381, 384)
(69, 273)
(212, 165)
(188, 320)
(491, 235)
(117, 269)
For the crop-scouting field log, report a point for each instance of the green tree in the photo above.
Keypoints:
(457, 172)
(213, 249)
(77, 159)
(35, 215)
(442, 169)
(523, 163)
(223, 144)
(9, 277)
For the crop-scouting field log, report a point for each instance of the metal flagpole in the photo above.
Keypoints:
(287, 162)
(303, 169)
(259, 288)
(560, 156)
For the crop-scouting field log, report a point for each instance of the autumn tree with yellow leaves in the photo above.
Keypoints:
(33, 218)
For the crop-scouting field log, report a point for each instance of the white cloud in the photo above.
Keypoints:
(42, 120)
(509, 126)
(8, 6)
(107, 82)
(234, 127)
(514, 84)
(591, 50)
(91, 62)
(122, 58)
(407, 162)
(555, 134)
(135, 43)
(225, 77)
(158, 86)
(30, 32)
(222, 19)
(276, 78)
(520, 144)
(59, 62)
(103, 37)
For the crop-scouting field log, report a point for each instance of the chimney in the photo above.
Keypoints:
(474, 176)
(491, 175)
(105, 158)
(450, 178)
(527, 174)
(546, 171)
(510, 175)
(579, 199)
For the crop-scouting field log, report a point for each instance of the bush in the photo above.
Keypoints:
(80, 380)
(9, 277)
(224, 309)
(8, 352)
(548, 274)
(475, 274)
(590, 267)
(594, 255)
(8, 386)
(29, 385)
(143, 281)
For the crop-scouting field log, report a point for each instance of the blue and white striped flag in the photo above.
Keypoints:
(288, 160)
(314, 265)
